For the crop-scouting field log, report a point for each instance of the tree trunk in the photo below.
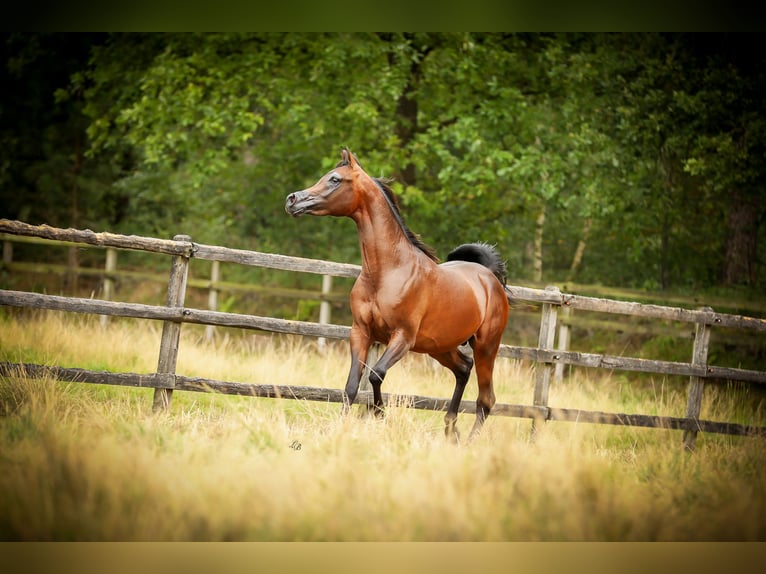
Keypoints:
(407, 110)
(579, 252)
(665, 252)
(742, 240)
(407, 106)
(73, 256)
(537, 260)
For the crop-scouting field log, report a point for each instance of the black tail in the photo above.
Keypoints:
(483, 254)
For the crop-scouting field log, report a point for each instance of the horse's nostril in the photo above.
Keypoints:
(291, 199)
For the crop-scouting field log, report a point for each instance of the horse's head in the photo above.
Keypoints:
(334, 194)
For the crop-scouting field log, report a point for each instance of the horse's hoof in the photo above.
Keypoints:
(452, 435)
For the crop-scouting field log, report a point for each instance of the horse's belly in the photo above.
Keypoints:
(436, 332)
(446, 333)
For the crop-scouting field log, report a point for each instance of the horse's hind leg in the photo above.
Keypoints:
(460, 364)
(486, 345)
(485, 365)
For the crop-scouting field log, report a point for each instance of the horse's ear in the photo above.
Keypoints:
(347, 159)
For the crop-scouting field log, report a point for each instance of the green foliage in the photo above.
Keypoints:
(648, 141)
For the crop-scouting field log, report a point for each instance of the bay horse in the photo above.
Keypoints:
(404, 298)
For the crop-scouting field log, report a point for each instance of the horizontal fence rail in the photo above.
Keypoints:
(289, 327)
(365, 398)
(62, 269)
(185, 248)
(174, 314)
(637, 309)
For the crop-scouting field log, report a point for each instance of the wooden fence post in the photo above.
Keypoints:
(109, 268)
(324, 309)
(212, 297)
(697, 384)
(72, 276)
(563, 344)
(171, 330)
(543, 370)
(7, 252)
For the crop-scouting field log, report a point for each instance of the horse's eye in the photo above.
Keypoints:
(335, 180)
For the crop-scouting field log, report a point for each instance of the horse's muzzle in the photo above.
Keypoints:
(293, 204)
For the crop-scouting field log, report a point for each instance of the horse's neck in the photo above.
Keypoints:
(382, 240)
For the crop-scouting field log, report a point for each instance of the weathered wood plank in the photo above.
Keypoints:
(178, 314)
(668, 313)
(266, 324)
(546, 338)
(32, 371)
(91, 306)
(103, 239)
(689, 302)
(197, 384)
(597, 361)
(171, 330)
(185, 248)
(199, 283)
(275, 261)
(637, 309)
(110, 266)
(518, 293)
(563, 342)
(696, 384)
(652, 421)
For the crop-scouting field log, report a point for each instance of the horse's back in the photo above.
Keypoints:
(485, 287)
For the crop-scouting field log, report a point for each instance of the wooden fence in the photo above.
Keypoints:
(109, 274)
(174, 314)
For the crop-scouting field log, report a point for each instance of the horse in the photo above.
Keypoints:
(405, 299)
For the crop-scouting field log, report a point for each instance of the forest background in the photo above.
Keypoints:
(631, 160)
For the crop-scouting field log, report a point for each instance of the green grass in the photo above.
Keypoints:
(87, 462)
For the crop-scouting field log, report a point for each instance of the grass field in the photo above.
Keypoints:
(87, 462)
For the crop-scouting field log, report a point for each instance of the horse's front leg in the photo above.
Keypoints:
(398, 345)
(359, 343)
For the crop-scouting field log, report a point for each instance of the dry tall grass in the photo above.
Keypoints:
(85, 462)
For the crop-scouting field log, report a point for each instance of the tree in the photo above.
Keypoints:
(589, 148)
(727, 140)
(46, 176)
(676, 108)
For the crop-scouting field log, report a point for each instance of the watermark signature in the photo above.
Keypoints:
(295, 445)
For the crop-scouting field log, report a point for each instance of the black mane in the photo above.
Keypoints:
(393, 203)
